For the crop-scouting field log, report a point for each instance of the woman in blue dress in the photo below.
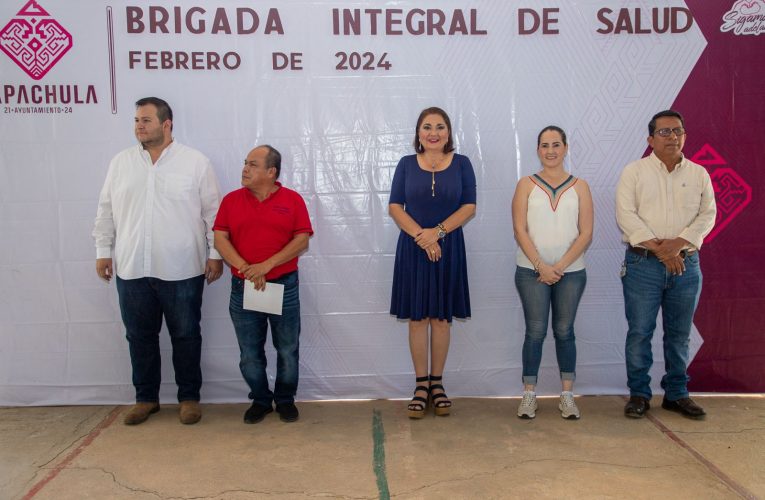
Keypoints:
(433, 194)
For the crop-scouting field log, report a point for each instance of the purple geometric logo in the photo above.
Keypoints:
(732, 192)
(34, 40)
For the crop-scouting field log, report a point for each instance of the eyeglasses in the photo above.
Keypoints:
(666, 132)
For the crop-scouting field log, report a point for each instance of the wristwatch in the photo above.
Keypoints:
(441, 231)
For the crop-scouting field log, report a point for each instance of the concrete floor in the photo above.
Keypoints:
(371, 450)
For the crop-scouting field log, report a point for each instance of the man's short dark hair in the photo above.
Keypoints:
(273, 159)
(661, 114)
(164, 112)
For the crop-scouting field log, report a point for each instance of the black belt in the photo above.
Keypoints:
(647, 253)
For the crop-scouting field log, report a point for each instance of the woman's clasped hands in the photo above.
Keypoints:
(427, 239)
(549, 275)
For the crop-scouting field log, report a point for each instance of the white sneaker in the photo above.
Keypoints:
(567, 406)
(528, 407)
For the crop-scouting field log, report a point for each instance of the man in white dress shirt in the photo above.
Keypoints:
(665, 206)
(154, 231)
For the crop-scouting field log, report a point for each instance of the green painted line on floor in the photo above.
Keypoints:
(378, 434)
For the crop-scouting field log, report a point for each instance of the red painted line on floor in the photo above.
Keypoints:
(729, 482)
(106, 422)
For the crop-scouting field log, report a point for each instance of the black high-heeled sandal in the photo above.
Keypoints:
(442, 405)
(419, 405)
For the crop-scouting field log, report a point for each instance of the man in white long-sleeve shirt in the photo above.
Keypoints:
(154, 231)
(665, 206)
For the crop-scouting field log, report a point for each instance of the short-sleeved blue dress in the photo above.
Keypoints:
(421, 288)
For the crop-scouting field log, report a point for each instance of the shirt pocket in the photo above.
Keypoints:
(690, 195)
(177, 187)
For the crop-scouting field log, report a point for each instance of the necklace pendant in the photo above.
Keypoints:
(433, 185)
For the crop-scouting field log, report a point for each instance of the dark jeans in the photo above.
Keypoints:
(647, 287)
(538, 299)
(251, 329)
(143, 303)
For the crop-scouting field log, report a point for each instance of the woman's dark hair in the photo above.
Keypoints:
(449, 146)
(554, 129)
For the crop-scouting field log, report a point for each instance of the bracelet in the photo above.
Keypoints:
(536, 265)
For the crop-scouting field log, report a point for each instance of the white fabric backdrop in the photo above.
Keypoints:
(341, 134)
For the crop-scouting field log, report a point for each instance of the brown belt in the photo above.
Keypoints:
(647, 253)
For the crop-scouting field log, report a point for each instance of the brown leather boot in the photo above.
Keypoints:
(190, 412)
(140, 412)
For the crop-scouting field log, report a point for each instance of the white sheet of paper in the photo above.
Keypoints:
(267, 301)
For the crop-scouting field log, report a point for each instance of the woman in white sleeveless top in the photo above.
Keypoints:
(552, 221)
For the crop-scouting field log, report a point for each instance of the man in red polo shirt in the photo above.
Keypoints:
(260, 231)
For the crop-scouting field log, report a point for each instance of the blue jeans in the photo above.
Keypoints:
(143, 303)
(647, 285)
(537, 299)
(251, 328)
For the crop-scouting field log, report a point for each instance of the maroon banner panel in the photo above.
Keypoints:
(723, 103)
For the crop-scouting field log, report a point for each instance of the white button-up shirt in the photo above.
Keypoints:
(652, 202)
(158, 218)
